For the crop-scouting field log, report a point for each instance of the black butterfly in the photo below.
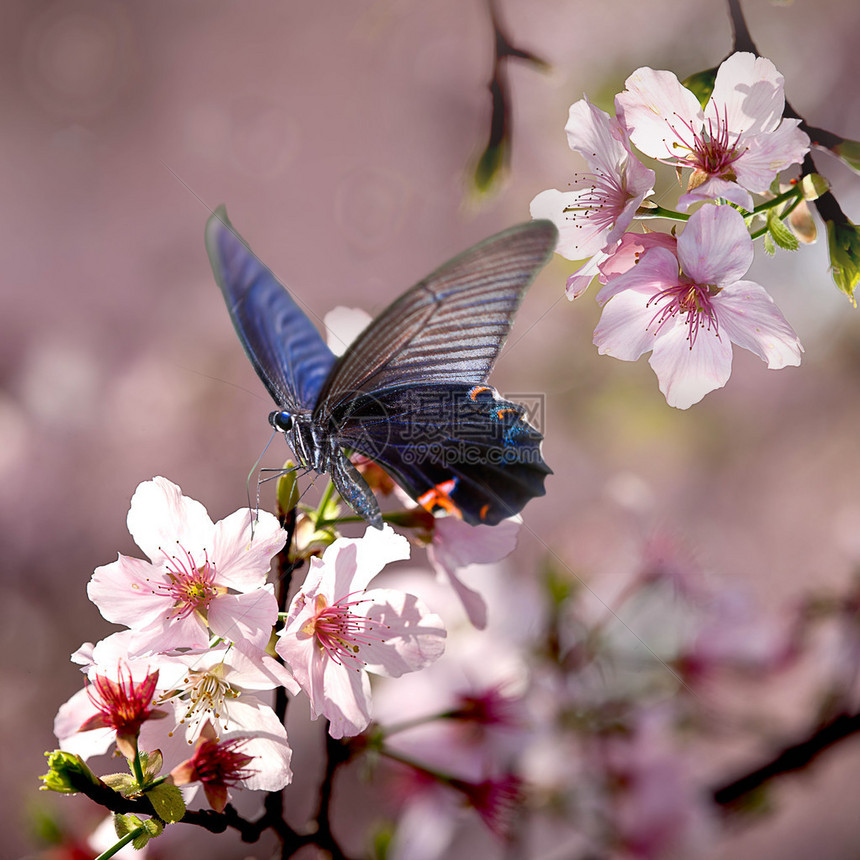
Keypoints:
(410, 391)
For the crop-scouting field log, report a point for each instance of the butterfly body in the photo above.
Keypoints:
(410, 392)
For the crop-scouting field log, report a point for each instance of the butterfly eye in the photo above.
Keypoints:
(281, 421)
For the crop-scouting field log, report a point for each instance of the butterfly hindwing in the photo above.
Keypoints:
(450, 326)
(454, 447)
(286, 349)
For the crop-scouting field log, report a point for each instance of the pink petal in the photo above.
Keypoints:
(346, 702)
(656, 270)
(578, 282)
(623, 328)
(411, 637)
(244, 617)
(713, 188)
(123, 592)
(578, 235)
(242, 562)
(160, 516)
(630, 250)
(686, 374)
(658, 112)
(267, 743)
(596, 136)
(715, 247)
(767, 155)
(748, 94)
(356, 561)
(750, 318)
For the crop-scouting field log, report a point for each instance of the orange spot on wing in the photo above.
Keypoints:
(440, 496)
(501, 412)
(483, 512)
(478, 389)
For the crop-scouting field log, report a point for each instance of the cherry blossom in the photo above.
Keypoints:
(600, 205)
(738, 144)
(457, 545)
(113, 706)
(217, 765)
(336, 631)
(202, 578)
(688, 308)
(220, 687)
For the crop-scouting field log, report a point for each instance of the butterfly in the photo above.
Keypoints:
(410, 392)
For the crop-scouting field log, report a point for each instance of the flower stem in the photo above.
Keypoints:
(129, 837)
(659, 212)
(793, 192)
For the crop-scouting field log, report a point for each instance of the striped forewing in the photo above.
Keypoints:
(286, 349)
(448, 327)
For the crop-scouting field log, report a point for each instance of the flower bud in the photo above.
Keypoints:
(67, 773)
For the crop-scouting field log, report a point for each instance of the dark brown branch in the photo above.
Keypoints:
(741, 37)
(791, 758)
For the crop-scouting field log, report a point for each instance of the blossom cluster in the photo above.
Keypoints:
(685, 298)
(205, 645)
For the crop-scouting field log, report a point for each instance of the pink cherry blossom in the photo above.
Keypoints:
(457, 545)
(217, 765)
(336, 631)
(600, 204)
(689, 308)
(221, 687)
(202, 578)
(113, 706)
(738, 144)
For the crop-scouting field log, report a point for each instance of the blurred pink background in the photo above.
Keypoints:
(340, 136)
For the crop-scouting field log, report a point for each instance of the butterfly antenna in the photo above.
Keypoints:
(254, 510)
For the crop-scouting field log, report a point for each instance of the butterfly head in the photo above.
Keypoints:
(281, 421)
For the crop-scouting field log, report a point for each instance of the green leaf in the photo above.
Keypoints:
(782, 236)
(151, 829)
(849, 152)
(125, 823)
(124, 783)
(151, 764)
(769, 247)
(843, 240)
(701, 84)
(166, 800)
(490, 166)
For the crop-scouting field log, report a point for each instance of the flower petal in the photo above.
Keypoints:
(160, 516)
(656, 270)
(409, 636)
(579, 236)
(748, 95)
(767, 155)
(658, 112)
(242, 562)
(357, 560)
(713, 188)
(749, 316)
(623, 328)
(715, 247)
(124, 590)
(245, 617)
(687, 373)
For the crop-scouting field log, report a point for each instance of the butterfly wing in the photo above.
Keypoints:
(285, 348)
(451, 446)
(449, 327)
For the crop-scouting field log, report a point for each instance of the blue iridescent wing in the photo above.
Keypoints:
(449, 327)
(454, 447)
(286, 349)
